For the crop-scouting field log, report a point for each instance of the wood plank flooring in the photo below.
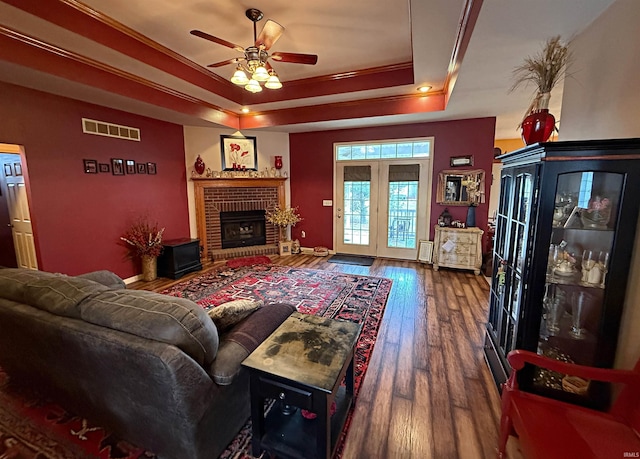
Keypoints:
(428, 392)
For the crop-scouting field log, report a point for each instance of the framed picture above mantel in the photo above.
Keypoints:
(239, 153)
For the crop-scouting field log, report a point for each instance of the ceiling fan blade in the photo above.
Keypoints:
(235, 60)
(295, 58)
(217, 40)
(269, 34)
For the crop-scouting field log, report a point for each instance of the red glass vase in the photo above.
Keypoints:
(538, 126)
(278, 162)
(199, 165)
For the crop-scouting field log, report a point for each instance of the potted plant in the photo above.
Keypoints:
(545, 70)
(145, 241)
(283, 219)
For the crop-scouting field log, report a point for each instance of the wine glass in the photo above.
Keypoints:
(588, 262)
(577, 315)
(603, 259)
(554, 310)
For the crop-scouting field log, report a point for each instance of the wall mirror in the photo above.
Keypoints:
(460, 187)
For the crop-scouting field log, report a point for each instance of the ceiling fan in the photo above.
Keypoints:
(256, 56)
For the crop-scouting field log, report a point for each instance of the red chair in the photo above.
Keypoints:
(549, 429)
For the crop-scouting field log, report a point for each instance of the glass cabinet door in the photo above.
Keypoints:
(582, 235)
(509, 257)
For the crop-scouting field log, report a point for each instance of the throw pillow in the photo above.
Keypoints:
(226, 315)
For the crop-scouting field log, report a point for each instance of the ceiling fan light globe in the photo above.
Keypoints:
(260, 74)
(239, 78)
(253, 86)
(273, 82)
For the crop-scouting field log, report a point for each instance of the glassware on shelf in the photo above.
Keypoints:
(564, 261)
(552, 306)
(603, 259)
(578, 306)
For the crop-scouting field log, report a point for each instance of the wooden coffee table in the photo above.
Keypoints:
(302, 364)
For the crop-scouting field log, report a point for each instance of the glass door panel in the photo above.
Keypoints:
(582, 235)
(356, 209)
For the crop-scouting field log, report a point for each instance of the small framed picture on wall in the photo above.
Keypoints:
(131, 166)
(117, 166)
(104, 168)
(90, 166)
(141, 168)
(151, 168)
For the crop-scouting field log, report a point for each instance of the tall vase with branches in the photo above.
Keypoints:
(145, 242)
(544, 70)
(283, 219)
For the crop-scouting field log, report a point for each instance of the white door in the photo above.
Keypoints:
(16, 192)
(381, 207)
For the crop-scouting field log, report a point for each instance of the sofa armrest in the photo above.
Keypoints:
(241, 340)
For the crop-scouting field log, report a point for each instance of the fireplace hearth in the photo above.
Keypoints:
(242, 228)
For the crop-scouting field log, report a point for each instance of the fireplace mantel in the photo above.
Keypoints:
(202, 184)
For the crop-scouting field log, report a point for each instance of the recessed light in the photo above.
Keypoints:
(424, 88)
(245, 110)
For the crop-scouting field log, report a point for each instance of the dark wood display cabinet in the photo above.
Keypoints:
(565, 231)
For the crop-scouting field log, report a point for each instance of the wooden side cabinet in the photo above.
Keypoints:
(459, 248)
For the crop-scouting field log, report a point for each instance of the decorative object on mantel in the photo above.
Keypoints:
(545, 70)
(199, 165)
(145, 240)
(278, 162)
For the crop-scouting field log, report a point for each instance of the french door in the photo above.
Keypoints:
(381, 207)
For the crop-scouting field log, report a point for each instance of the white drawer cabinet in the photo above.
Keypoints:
(459, 248)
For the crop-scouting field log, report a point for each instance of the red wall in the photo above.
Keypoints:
(78, 218)
(312, 168)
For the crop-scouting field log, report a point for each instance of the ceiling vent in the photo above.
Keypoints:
(110, 130)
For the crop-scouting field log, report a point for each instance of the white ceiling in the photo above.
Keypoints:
(346, 35)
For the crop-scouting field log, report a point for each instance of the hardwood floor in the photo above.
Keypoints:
(428, 392)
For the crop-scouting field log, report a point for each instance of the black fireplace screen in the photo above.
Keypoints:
(243, 228)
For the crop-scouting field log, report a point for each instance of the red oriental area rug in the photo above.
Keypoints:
(359, 299)
(35, 428)
(32, 427)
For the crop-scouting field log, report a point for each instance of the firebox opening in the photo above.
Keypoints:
(242, 228)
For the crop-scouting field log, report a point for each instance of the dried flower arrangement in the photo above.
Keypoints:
(283, 218)
(545, 70)
(144, 238)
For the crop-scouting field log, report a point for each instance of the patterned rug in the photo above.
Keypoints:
(359, 299)
(32, 427)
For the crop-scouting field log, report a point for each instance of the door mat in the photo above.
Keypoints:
(351, 259)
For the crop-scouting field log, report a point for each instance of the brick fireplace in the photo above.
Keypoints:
(213, 196)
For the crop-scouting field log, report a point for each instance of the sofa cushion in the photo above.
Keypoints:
(226, 315)
(60, 294)
(244, 338)
(55, 293)
(105, 277)
(14, 280)
(163, 318)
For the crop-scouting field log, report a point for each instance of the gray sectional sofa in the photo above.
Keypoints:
(141, 364)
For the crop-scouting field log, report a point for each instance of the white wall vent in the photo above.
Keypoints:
(110, 130)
